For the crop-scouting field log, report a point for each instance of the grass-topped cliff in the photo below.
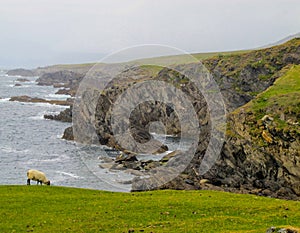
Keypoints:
(262, 150)
(281, 101)
(57, 209)
(261, 92)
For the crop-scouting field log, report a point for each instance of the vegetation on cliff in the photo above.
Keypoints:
(262, 151)
(261, 93)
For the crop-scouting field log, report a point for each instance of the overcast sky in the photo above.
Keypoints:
(43, 32)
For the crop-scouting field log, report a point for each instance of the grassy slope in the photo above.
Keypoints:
(282, 98)
(58, 209)
(284, 94)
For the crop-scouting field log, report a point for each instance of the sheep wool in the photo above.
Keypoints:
(38, 176)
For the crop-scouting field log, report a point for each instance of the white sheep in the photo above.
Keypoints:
(38, 176)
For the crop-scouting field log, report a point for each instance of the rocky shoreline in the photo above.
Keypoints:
(249, 161)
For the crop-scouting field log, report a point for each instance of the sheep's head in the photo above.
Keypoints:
(48, 182)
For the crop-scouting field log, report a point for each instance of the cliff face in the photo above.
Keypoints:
(262, 152)
(261, 94)
(68, 81)
(242, 76)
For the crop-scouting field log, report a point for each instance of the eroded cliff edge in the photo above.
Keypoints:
(261, 151)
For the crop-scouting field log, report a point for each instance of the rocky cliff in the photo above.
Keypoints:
(261, 151)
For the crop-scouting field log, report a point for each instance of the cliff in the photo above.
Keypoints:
(262, 152)
(261, 93)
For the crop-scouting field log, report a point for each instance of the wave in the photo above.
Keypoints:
(58, 96)
(4, 100)
(58, 158)
(43, 104)
(38, 117)
(22, 86)
(13, 150)
(68, 174)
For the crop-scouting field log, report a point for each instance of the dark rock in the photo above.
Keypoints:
(22, 80)
(64, 116)
(21, 72)
(18, 85)
(68, 134)
(65, 79)
(132, 165)
(271, 229)
(125, 157)
(188, 181)
(25, 98)
(282, 230)
(148, 165)
(162, 149)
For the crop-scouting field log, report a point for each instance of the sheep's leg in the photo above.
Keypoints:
(28, 181)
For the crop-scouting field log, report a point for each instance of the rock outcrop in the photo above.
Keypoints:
(261, 151)
(68, 80)
(64, 116)
(22, 80)
(21, 72)
(28, 99)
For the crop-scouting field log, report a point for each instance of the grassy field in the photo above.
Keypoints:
(58, 209)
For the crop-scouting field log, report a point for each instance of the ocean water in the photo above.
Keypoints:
(28, 141)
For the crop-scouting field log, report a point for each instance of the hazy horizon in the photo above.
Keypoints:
(38, 33)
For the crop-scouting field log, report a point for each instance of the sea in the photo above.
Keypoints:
(28, 141)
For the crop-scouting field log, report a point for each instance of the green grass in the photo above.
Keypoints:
(151, 63)
(283, 95)
(58, 209)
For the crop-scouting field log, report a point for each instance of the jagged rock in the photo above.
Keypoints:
(17, 85)
(64, 116)
(125, 157)
(62, 78)
(247, 162)
(68, 134)
(68, 80)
